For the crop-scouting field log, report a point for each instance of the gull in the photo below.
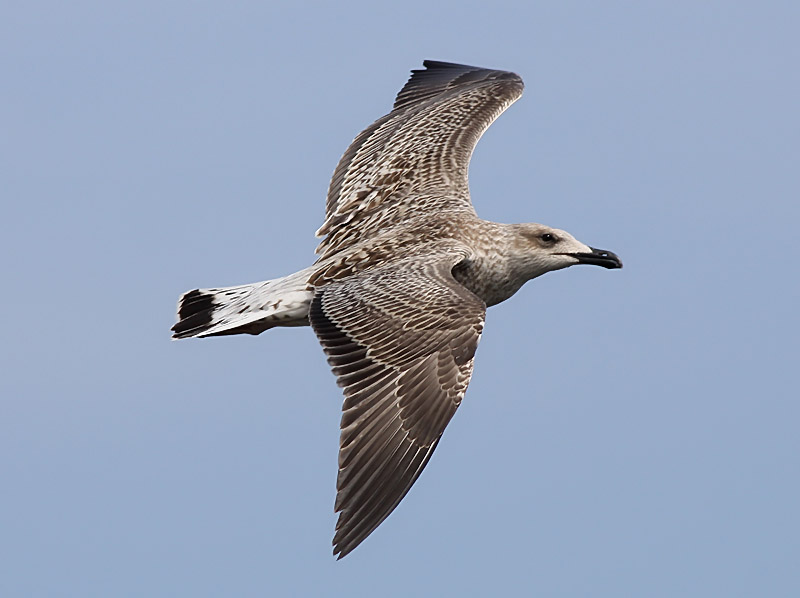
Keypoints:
(398, 294)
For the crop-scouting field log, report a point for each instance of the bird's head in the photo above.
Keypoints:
(540, 249)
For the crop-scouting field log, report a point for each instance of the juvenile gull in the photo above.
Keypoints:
(398, 295)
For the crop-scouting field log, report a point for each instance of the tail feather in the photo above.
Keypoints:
(245, 309)
(195, 310)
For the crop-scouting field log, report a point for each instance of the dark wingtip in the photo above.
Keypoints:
(439, 77)
(342, 549)
(441, 64)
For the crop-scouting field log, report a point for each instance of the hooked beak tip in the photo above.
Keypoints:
(599, 257)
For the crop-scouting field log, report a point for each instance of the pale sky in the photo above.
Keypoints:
(626, 433)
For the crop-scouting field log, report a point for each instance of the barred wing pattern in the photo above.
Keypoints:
(415, 160)
(401, 341)
(398, 294)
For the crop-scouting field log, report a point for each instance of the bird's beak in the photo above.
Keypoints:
(598, 257)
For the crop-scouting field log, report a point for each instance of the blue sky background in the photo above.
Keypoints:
(626, 433)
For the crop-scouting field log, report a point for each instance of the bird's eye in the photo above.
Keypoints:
(548, 238)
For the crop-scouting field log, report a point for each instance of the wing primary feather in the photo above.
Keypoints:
(402, 371)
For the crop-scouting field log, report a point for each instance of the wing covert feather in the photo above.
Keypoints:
(416, 158)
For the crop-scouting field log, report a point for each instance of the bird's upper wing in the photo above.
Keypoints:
(400, 340)
(416, 158)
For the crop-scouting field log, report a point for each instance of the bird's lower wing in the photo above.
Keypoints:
(401, 341)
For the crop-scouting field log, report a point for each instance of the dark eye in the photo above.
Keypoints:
(548, 238)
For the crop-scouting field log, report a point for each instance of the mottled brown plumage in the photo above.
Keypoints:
(409, 328)
(414, 161)
(399, 292)
(403, 370)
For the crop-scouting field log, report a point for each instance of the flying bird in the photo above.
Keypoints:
(398, 294)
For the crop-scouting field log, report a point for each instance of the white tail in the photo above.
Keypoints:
(246, 309)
